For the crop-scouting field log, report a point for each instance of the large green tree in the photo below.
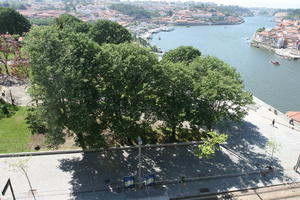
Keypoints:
(128, 100)
(13, 22)
(184, 54)
(112, 93)
(68, 21)
(218, 92)
(65, 80)
(105, 31)
(90, 91)
(173, 90)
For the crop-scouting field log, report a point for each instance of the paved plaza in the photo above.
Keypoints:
(98, 175)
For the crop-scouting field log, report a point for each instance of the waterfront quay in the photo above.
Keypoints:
(246, 161)
(283, 39)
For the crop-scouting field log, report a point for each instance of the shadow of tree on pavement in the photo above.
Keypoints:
(245, 152)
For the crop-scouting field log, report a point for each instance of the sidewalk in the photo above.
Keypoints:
(98, 175)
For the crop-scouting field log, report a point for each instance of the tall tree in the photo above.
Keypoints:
(184, 54)
(218, 92)
(66, 20)
(88, 90)
(173, 89)
(12, 22)
(105, 31)
(65, 79)
(128, 98)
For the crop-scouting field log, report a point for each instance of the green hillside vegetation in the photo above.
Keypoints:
(294, 14)
(134, 11)
(42, 21)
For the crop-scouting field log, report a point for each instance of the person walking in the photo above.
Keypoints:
(273, 122)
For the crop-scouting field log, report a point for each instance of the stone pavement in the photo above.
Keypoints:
(98, 175)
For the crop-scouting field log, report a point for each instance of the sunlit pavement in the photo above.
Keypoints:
(99, 175)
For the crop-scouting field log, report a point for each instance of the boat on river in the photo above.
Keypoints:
(275, 62)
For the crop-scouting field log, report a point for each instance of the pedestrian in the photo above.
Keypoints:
(3, 91)
(273, 122)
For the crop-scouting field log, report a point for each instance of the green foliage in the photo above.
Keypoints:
(173, 89)
(66, 20)
(128, 96)
(6, 109)
(13, 22)
(43, 21)
(65, 72)
(35, 121)
(261, 29)
(134, 11)
(218, 93)
(294, 14)
(14, 5)
(234, 10)
(102, 31)
(184, 54)
(105, 31)
(273, 146)
(210, 144)
(110, 94)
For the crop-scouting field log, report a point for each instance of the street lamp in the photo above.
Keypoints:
(140, 142)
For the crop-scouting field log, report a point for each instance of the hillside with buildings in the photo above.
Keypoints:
(138, 17)
(284, 39)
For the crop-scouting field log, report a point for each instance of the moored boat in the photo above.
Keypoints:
(275, 62)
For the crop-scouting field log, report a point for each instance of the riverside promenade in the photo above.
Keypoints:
(240, 164)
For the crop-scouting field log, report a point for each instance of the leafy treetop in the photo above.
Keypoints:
(184, 54)
(12, 22)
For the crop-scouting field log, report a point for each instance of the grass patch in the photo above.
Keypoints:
(15, 136)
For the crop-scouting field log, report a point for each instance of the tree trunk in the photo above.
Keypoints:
(81, 141)
(173, 134)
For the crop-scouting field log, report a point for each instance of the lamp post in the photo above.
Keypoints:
(140, 142)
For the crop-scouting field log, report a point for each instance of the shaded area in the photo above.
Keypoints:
(244, 152)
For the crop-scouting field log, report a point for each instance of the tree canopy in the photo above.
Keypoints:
(64, 79)
(13, 22)
(184, 54)
(110, 94)
(105, 31)
(101, 31)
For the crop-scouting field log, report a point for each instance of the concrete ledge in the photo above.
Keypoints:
(40, 153)
(208, 194)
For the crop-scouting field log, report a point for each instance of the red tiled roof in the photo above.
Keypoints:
(294, 115)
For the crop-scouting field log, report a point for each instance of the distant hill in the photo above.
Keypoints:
(131, 10)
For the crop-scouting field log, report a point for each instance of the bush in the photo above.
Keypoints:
(6, 109)
(35, 121)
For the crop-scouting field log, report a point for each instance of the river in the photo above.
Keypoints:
(278, 86)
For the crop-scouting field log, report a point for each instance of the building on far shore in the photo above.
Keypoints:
(295, 115)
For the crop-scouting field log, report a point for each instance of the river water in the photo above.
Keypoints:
(278, 86)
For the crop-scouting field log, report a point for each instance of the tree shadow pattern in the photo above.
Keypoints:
(103, 171)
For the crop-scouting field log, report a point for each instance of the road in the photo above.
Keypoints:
(282, 192)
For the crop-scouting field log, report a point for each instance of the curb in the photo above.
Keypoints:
(41, 153)
(229, 191)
